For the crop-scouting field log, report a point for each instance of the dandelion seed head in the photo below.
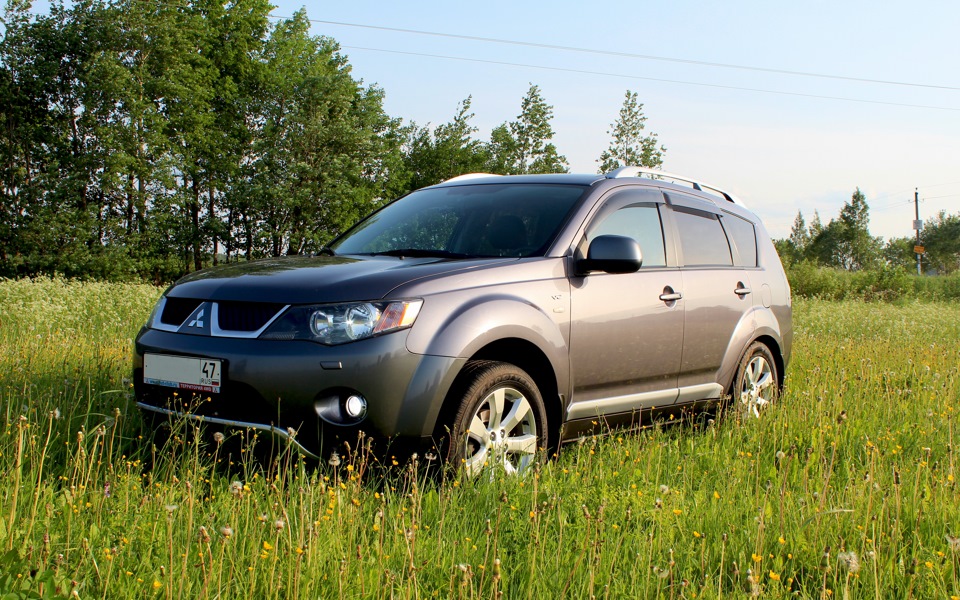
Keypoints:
(850, 561)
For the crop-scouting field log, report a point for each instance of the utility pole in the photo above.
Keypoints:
(918, 225)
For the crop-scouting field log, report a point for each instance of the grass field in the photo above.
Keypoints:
(846, 488)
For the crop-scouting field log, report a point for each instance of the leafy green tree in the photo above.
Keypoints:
(898, 253)
(234, 35)
(845, 242)
(799, 235)
(523, 146)
(824, 248)
(323, 153)
(816, 225)
(858, 250)
(629, 146)
(50, 198)
(941, 239)
(449, 150)
(793, 248)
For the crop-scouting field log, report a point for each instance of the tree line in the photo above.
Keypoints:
(845, 242)
(146, 140)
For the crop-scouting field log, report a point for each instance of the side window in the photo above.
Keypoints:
(744, 236)
(702, 239)
(640, 221)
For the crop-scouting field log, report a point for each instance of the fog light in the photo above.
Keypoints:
(355, 406)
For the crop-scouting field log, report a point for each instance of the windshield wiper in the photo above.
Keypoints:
(326, 251)
(420, 253)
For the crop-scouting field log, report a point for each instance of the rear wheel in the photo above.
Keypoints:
(500, 422)
(756, 385)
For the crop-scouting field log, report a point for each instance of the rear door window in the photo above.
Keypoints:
(703, 242)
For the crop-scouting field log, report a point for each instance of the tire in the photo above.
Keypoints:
(756, 385)
(500, 421)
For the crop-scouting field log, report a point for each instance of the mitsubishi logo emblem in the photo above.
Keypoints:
(198, 322)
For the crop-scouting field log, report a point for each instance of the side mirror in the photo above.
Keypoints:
(611, 254)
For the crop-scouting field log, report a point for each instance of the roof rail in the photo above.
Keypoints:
(467, 176)
(697, 185)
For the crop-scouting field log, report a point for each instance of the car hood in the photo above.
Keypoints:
(315, 279)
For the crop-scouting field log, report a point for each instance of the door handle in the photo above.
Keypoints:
(742, 290)
(671, 297)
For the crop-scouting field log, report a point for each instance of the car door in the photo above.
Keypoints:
(716, 293)
(626, 328)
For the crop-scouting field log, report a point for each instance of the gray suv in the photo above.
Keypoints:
(489, 316)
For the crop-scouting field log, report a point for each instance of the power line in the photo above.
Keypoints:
(901, 203)
(623, 76)
(631, 55)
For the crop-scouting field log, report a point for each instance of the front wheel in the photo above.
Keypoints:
(756, 385)
(500, 421)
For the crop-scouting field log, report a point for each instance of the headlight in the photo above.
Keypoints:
(341, 323)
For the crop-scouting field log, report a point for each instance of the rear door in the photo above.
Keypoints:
(716, 293)
(625, 341)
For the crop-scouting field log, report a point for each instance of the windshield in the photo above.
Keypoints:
(479, 220)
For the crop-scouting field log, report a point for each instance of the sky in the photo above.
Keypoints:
(790, 106)
(782, 142)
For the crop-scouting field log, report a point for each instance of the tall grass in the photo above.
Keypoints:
(846, 488)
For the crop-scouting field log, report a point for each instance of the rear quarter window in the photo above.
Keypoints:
(744, 236)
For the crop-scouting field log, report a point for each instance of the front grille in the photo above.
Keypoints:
(176, 310)
(245, 316)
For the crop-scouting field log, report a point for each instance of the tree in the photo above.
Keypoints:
(793, 248)
(799, 235)
(447, 151)
(857, 250)
(941, 238)
(816, 225)
(523, 146)
(323, 152)
(629, 147)
(845, 242)
(898, 253)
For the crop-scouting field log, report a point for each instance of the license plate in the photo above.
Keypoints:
(181, 372)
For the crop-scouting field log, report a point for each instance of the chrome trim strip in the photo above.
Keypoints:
(619, 404)
(215, 330)
(704, 391)
(230, 423)
(158, 312)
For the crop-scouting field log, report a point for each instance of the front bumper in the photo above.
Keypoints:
(273, 386)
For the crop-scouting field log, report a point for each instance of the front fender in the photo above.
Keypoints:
(483, 320)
